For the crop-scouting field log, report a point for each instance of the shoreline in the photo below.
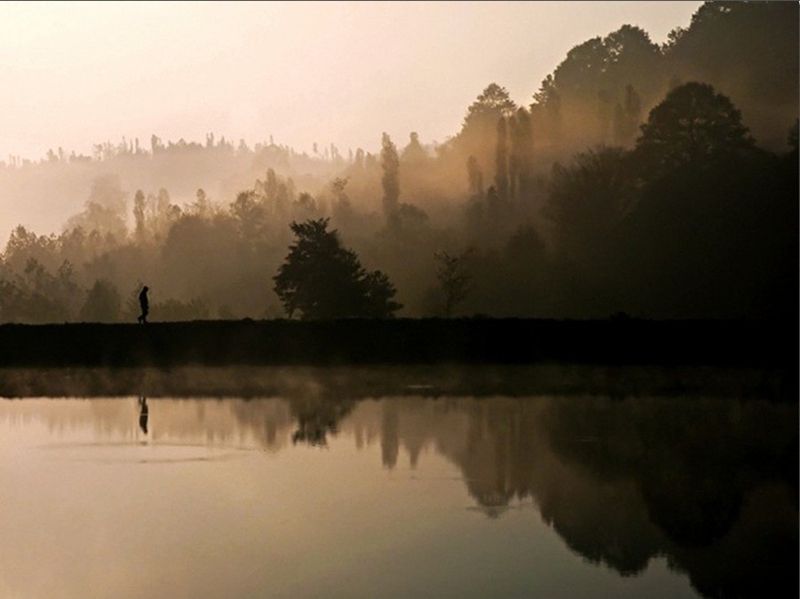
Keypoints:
(738, 343)
(429, 357)
(338, 383)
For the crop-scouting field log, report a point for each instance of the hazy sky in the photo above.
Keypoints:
(77, 73)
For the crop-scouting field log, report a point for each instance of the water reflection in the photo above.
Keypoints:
(143, 413)
(317, 418)
(710, 484)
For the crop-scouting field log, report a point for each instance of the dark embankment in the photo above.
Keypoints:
(402, 341)
(364, 358)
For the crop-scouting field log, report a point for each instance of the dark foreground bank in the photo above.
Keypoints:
(402, 341)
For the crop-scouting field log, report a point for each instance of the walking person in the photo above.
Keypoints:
(145, 305)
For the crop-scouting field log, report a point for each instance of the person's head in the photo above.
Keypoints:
(145, 288)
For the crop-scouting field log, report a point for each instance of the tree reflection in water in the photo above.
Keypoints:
(710, 483)
(317, 417)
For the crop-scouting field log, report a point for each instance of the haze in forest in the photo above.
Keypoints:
(552, 177)
(304, 74)
(84, 73)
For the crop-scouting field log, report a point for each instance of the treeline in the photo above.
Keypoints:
(655, 181)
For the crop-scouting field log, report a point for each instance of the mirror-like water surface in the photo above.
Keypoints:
(398, 496)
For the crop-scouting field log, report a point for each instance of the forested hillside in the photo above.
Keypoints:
(658, 181)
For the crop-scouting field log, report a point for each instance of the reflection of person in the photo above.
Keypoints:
(145, 305)
(143, 413)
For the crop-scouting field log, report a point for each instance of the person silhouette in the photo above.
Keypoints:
(143, 413)
(145, 305)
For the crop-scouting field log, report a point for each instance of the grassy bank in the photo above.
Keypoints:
(401, 341)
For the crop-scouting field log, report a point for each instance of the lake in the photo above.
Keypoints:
(419, 488)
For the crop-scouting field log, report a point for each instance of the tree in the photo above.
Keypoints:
(453, 279)
(139, 204)
(103, 303)
(627, 116)
(749, 49)
(521, 158)
(501, 160)
(546, 111)
(320, 279)
(390, 163)
(492, 104)
(474, 177)
(104, 210)
(342, 207)
(250, 215)
(202, 206)
(414, 153)
(577, 103)
(692, 125)
(479, 128)
(588, 197)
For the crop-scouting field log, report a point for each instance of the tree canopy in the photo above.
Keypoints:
(693, 124)
(492, 104)
(321, 279)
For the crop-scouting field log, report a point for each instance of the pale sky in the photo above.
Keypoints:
(73, 74)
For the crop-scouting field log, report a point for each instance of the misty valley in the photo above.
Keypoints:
(411, 485)
(554, 354)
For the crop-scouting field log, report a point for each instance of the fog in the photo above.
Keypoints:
(580, 200)
(84, 73)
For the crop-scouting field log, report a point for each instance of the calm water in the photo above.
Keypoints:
(407, 495)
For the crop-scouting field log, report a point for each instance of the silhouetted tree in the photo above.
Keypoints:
(546, 111)
(492, 104)
(320, 279)
(390, 163)
(692, 125)
(749, 50)
(577, 102)
(478, 133)
(453, 278)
